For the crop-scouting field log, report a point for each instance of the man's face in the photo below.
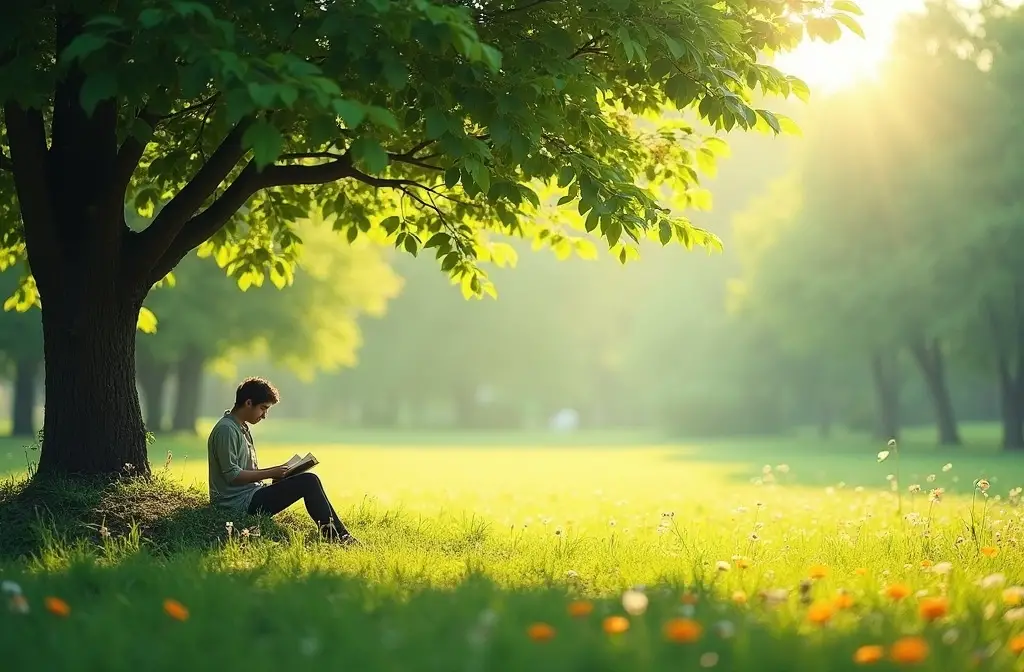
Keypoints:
(256, 412)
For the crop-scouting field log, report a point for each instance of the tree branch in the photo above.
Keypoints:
(588, 46)
(420, 163)
(26, 135)
(202, 226)
(151, 244)
(130, 153)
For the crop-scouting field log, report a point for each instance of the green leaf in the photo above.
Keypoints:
(99, 86)
(565, 176)
(146, 322)
(438, 238)
(852, 24)
(351, 112)
(437, 123)
(382, 117)
(491, 57)
(83, 45)
(664, 232)
(706, 162)
(799, 88)
(771, 119)
(265, 141)
(847, 6)
(370, 152)
(452, 176)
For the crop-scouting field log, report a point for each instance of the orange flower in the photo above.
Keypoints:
(1017, 644)
(866, 655)
(909, 650)
(615, 625)
(742, 563)
(739, 597)
(989, 551)
(580, 608)
(57, 606)
(540, 632)
(843, 600)
(932, 608)
(175, 610)
(818, 572)
(925, 564)
(897, 591)
(820, 613)
(683, 630)
(861, 571)
(688, 598)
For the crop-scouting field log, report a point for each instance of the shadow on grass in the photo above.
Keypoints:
(164, 515)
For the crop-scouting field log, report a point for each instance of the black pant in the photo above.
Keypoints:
(277, 497)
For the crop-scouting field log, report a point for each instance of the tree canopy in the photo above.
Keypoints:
(435, 122)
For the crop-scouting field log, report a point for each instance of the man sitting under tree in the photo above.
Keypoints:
(236, 481)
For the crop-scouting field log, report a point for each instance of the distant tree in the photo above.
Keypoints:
(310, 326)
(21, 352)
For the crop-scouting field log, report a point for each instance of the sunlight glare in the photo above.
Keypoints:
(830, 67)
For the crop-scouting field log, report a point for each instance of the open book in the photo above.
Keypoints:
(297, 464)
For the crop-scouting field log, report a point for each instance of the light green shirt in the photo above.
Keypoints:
(230, 449)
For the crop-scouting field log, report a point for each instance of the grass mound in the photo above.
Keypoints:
(167, 516)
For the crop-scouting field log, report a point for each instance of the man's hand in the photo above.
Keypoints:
(277, 473)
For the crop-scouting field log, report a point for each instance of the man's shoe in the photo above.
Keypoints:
(348, 540)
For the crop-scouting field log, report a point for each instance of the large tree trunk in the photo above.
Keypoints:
(885, 374)
(24, 402)
(929, 360)
(93, 422)
(71, 169)
(189, 387)
(153, 375)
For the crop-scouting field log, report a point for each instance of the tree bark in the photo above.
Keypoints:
(884, 373)
(153, 377)
(190, 380)
(24, 402)
(93, 422)
(929, 360)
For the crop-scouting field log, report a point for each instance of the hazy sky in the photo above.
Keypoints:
(828, 67)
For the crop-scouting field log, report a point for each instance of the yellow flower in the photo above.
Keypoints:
(818, 572)
(989, 551)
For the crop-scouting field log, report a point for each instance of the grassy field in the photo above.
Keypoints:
(589, 552)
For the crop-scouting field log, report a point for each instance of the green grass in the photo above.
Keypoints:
(469, 541)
